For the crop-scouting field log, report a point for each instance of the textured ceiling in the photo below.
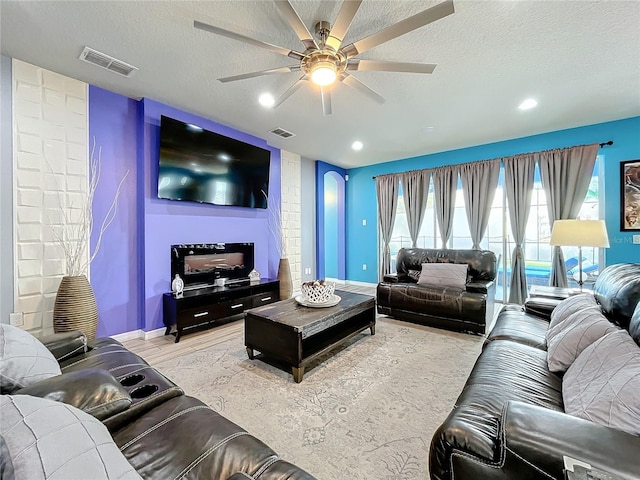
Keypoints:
(579, 59)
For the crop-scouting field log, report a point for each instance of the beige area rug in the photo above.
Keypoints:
(367, 412)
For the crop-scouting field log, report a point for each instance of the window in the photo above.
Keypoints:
(498, 237)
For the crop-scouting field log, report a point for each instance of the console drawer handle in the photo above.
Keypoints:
(201, 314)
(265, 299)
(237, 305)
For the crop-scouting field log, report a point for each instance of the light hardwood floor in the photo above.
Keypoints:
(163, 348)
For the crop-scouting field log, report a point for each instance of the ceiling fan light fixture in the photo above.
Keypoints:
(324, 73)
(266, 100)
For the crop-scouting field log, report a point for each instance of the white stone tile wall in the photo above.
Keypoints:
(50, 128)
(291, 224)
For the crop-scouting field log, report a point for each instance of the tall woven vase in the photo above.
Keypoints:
(75, 307)
(284, 275)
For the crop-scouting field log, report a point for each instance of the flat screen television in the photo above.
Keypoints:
(202, 166)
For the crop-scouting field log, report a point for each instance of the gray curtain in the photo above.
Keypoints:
(387, 187)
(518, 181)
(445, 184)
(479, 183)
(565, 175)
(415, 190)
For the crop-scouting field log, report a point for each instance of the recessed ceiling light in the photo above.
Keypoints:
(429, 128)
(357, 145)
(527, 104)
(266, 100)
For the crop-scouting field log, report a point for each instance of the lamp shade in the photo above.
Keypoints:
(579, 233)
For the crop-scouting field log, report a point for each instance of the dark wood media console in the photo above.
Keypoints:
(210, 305)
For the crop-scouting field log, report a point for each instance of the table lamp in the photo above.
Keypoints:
(579, 233)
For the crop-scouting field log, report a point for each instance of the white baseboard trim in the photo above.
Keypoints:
(158, 332)
(138, 334)
(123, 337)
(362, 284)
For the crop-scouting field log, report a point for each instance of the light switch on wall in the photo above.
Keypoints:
(636, 239)
(364, 222)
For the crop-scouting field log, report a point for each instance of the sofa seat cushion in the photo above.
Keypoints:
(504, 371)
(515, 325)
(509, 370)
(223, 448)
(436, 301)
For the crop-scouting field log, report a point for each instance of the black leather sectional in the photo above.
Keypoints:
(469, 309)
(162, 432)
(509, 420)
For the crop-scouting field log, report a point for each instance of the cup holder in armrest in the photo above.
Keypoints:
(148, 388)
(131, 380)
(143, 391)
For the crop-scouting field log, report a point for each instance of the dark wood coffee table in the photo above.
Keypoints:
(296, 335)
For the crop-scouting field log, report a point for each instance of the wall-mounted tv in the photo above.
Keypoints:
(202, 166)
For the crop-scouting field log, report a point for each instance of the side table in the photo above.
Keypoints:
(542, 299)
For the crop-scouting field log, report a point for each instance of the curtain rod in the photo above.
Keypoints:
(603, 144)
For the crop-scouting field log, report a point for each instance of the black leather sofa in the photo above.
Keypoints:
(162, 432)
(509, 421)
(468, 309)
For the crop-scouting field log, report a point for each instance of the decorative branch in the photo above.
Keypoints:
(75, 236)
(275, 228)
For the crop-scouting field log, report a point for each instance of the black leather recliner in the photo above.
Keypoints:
(162, 432)
(509, 420)
(469, 310)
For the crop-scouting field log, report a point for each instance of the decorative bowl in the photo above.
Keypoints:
(318, 291)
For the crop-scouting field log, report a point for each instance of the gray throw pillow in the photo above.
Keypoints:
(24, 360)
(568, 338)
(51, 440)
(569, 306)
(603, 383)
(444, 275)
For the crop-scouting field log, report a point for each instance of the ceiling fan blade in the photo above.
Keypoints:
(257, 43)
(293, 19)
(398, 29)
(290, 91)
(343, 21)
(388, 66)
(325, 93)
(358, 85)
(271, 71)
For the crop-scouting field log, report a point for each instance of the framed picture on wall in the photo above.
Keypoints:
(630, 190)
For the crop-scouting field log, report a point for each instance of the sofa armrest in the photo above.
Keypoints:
(535, 439)
(65, 345)
(92, 390)
(479, 286)
(391, 278)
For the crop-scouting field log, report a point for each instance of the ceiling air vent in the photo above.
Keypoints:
(281, 132)
(105, 61)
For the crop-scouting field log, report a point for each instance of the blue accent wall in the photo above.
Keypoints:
(361, 193)
(341, 254)
(115, 272)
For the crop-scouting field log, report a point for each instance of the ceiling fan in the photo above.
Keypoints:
(326, 61)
